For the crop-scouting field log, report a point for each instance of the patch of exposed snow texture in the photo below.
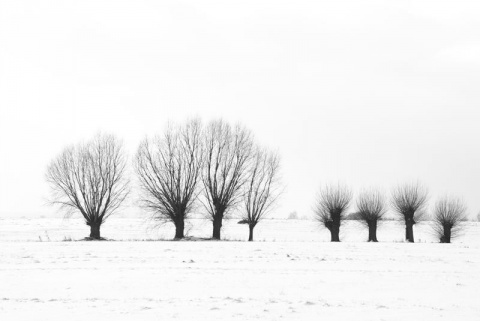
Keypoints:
(297, 277)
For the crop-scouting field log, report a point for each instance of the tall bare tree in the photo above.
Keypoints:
(448, 216)
(330, 207)
(169, 171)
(228, 151)
(262, 188)
(410, 201)
(90, 178)
(371, 207)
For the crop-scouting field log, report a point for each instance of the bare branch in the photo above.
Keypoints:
(410, 200)
(371, 206)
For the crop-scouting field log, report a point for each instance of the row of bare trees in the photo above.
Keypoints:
(409, 202)
(218, 166)
(216, 169)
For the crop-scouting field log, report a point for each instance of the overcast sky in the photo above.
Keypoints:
(372, 93)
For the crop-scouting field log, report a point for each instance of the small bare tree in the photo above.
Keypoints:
(371, 207)
(262, 188)
(331, 205)
(227, 155)
(448, 216)
(293, 216)
(90, 178)
(169, 173)
(409, 201)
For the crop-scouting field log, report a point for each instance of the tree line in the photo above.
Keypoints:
(219, 167)
(215, 169)
(408, 201)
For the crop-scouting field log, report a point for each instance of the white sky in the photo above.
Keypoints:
(367, 92)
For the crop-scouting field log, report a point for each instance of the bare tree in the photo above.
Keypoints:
(409, 201)
(262, 188)
(90, 178)
(169, 172)
(448, 216)
(227, 156)
(331, 205)
(293, 216)
(371, 207)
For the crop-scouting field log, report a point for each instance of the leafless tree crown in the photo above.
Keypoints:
(169, 171)
(263, 186)
(371, 205)
(90, 178)
(410, 200)
(228, 151)
(332, 203)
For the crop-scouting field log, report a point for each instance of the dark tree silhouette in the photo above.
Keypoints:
(371, 207)
(227, 155)
(90, 178)
(169, 173)
(262, 189)
(331, 205)
(447, 219)
(409, 202)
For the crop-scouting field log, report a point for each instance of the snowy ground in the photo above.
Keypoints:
(292, 273)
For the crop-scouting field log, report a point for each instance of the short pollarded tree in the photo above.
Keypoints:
(228, 152)
(371, 206)
(262, 188)
(409, 202)
(331, 205)
(90, 179)
(447, 218)
(169, 172)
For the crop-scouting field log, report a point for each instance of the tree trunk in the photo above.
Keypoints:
(250, 234)
(179, 228)
(409, 231)
(335, 233)
(372, 231)
(95, 230)
(447, 234)
(217, 226)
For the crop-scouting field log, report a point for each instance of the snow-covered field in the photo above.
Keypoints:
(291, 273)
